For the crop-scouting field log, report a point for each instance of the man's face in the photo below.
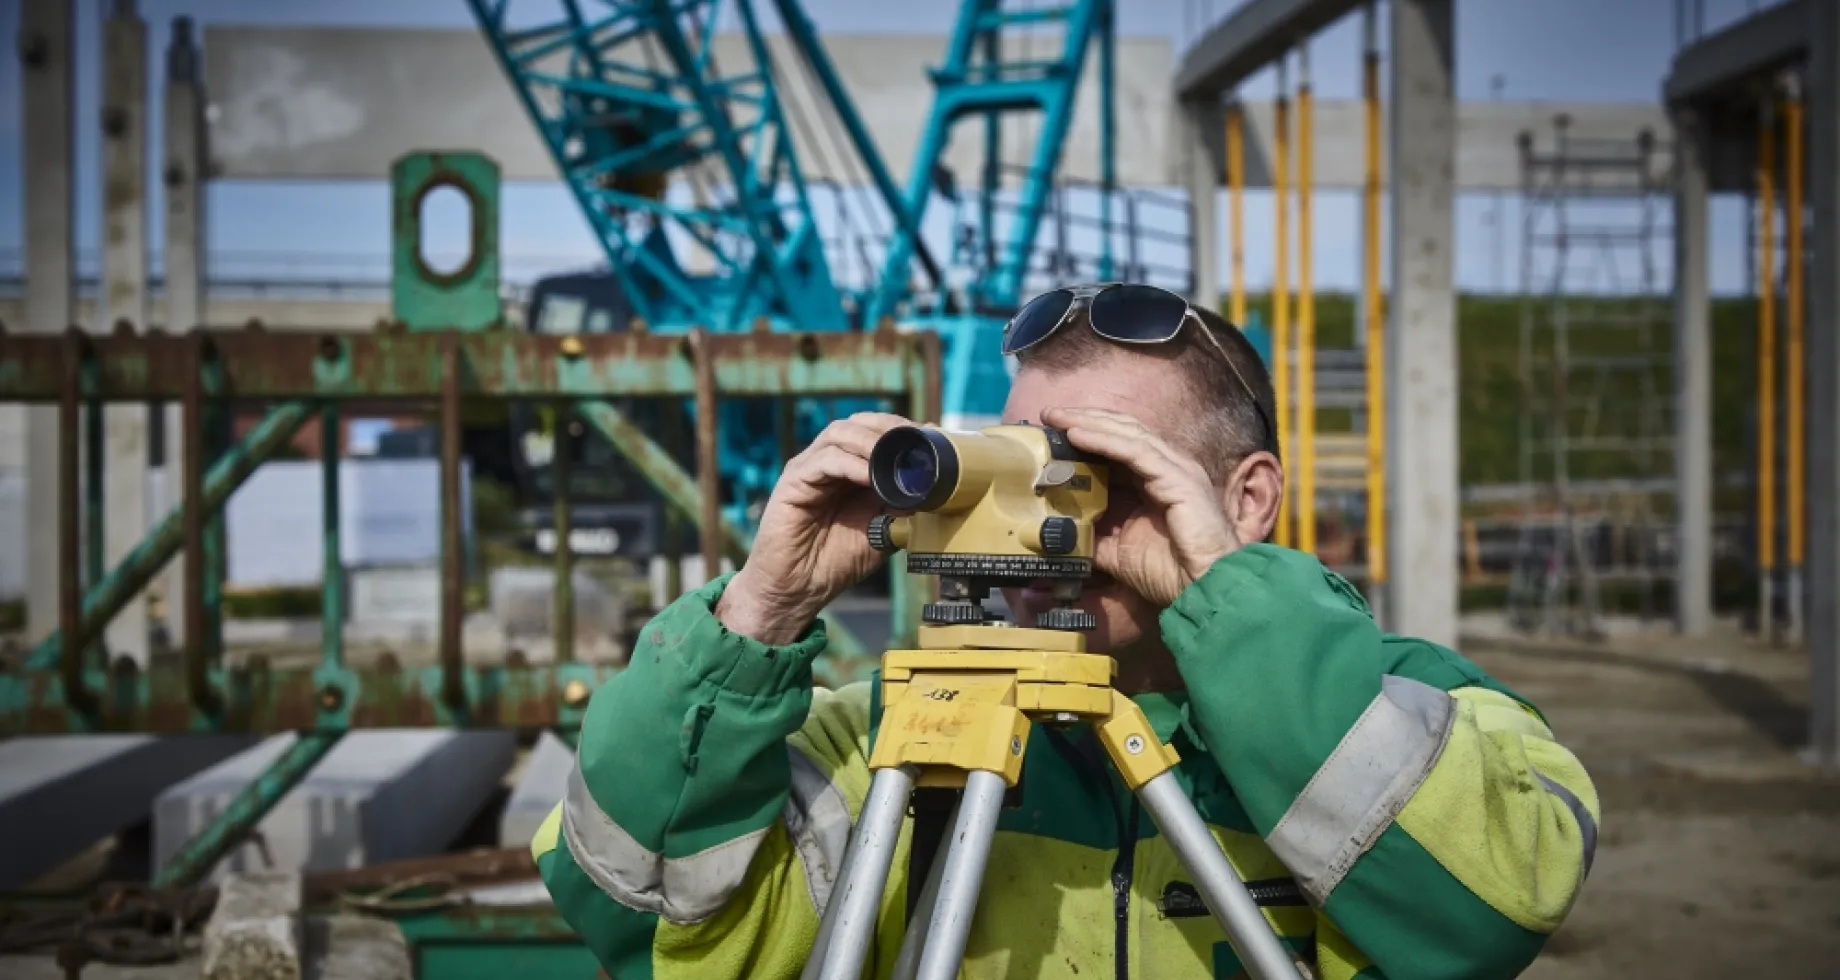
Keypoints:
(1154, 392)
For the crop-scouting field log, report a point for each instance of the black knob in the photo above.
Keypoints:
(881, 537)
(952, 613)
(1058, 535)
(1063, 618)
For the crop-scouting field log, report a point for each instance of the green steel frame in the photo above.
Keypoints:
(297, 375)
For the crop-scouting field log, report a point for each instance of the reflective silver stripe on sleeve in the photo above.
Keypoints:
(682, 890)
(1363, 784)
(1587, 827)
(818, 821)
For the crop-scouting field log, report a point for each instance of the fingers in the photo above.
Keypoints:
(832, 464)
(857, 433)
(1166, 473)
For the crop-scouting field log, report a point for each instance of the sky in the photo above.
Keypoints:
(1586, 50)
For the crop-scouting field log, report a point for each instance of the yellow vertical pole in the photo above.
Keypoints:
(1306, 315)
(1280, 291)
(1766, 371)
(1236, 213)
(1798, 528)
(1375, 316)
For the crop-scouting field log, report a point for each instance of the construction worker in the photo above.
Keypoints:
(1397, 812)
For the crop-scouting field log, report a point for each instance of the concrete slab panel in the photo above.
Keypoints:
(61, 793)
(334, 103)
(539, 788)
(380, 795)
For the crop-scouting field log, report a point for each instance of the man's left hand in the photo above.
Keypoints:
(1180, 527)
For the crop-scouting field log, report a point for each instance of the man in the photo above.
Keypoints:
(1398, 813)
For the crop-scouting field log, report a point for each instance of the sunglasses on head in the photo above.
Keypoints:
(1124, 313)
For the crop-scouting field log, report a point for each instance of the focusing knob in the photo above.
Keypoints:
(952, 613)
(880, 537)
(1058, 535)
(1063, 618)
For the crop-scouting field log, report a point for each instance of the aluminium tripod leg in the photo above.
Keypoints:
(920, 918)
(966, 853)
(1221, 888)
(849, 918)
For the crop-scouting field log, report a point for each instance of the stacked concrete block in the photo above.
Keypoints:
(379, 795)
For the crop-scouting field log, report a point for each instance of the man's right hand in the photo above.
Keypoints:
(813, 539)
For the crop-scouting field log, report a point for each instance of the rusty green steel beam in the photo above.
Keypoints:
(682, 494)
(258, 364)
(104, 599)
(260, 699)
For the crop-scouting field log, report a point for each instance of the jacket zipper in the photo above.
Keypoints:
(1121, 888)
(1124, 866)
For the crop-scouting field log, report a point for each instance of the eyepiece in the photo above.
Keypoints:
(913, 468)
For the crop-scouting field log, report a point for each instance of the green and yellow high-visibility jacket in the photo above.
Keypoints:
(1398, 813)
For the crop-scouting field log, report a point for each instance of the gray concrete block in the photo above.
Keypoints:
(379, 795)
(59, 794)
(255, 931)
(539, 788)
(358, 947)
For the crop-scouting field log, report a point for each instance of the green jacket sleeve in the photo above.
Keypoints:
(703, 822)
(1432, 819)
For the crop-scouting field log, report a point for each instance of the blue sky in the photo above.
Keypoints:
(1609, 50)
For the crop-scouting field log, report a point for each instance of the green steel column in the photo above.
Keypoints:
(93, 520)
(332, 590)
(246, 809)
(221, 424)
(126, 579)
(562, 476)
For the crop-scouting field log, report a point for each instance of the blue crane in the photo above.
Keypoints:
(668, 148)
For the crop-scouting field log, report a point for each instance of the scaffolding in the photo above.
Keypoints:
(1595, 374)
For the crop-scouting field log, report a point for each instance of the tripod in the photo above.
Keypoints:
(958, 715)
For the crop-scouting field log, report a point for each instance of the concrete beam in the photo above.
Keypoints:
(183, 177)
(540, 786)
(46, 52)
(1755, 46)
(1255, 34)
(1823, 367)
(1693, 378)
(1204, 179)
(340, 103)
(377, 796)
(61, 794)
(124, 288)
(1421, 358)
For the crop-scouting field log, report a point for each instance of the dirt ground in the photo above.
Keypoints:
(1719, 854)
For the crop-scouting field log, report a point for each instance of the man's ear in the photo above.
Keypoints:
(1253, 496)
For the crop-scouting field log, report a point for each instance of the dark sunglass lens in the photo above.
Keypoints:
(1037, 320)
(1138, 314)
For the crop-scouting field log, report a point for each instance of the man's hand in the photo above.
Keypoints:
(1176, 532)
(813, 540)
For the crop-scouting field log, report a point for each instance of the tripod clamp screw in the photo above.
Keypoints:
(1015, 745)
(1134, 744)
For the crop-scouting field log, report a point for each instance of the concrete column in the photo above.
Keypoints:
(46, 30)
(124, 298)
(183, 177)
(1203, 183)
(1692, 378)
(1823, 350)
(1421, 358)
